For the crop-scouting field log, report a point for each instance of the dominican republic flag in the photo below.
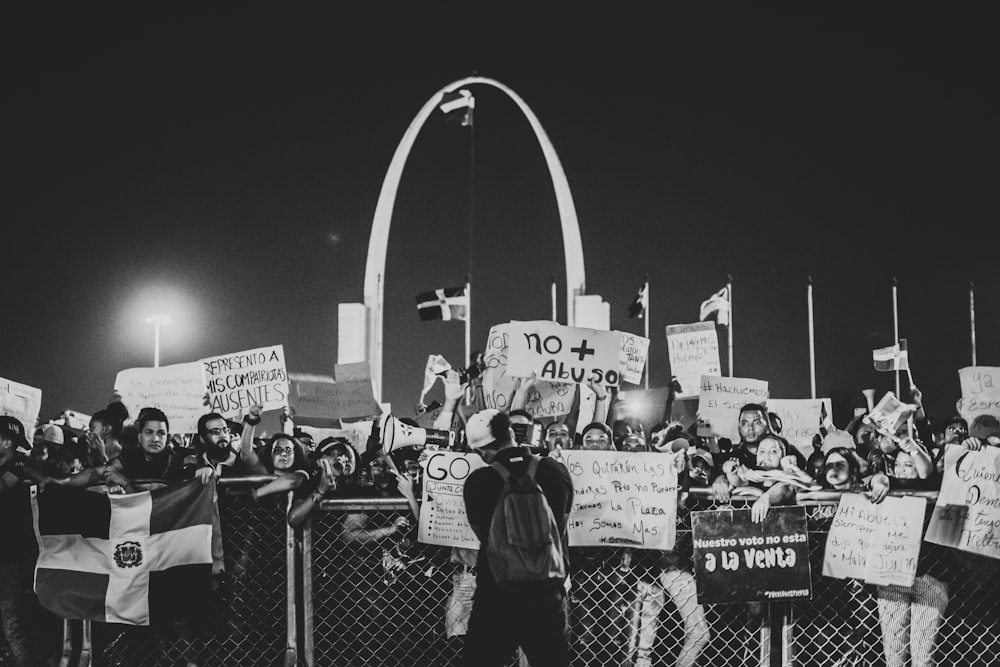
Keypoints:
(892, 358)
(139, 559)
(458, 105)
(717, 303)
(638, 306)
(449, 303)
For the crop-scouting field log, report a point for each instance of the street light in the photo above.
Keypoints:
(157, 321)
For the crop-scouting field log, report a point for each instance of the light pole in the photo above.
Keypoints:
(157, 321)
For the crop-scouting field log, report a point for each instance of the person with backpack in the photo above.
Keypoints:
(517, 506)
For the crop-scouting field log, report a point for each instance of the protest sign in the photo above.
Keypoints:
(876, 543)
(633, 355)
(240, 380)
(693, 351)
(354, 398)
(980, 392)
(890, 413)
(178, 390)
(311, 399)
(721, 398)
(360, 370)
(800, 419)
(20, 401)
(563, 354)
(442, 512)
(736, 560)
(622, 498)
(967, 513)
(543, 399)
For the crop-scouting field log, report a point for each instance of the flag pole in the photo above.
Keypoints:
(812, 341)
(972, 319)
(895, 326)
(468, 322)
(645, 287)
(729, 285)
(554, 311)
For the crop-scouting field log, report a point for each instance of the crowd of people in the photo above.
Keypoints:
(126, 453)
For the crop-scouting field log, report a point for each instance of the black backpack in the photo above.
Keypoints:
(524, 543)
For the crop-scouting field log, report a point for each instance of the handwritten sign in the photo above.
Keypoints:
(311, 397)
(21, 401)
(442, 513)
(354, 398)
(876, 543)
(563, 354)
(721, 398)
(693, 351)
(178, 390)
(543, 399)
(800, 418)
(890, 413)
(980, 392)
(241, 380)
(632, 359)
(967, 513)
(621, 498)
(736, 560)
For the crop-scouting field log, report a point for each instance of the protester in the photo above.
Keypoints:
(772, 480)
(15, 568)
(532, 616)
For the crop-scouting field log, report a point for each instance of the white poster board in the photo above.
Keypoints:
(721, 398)
(876, 543)
(442, 511)
(980, 392)
(21, 401)
(542, 399)
(693, 351)
(633, 356)
(967, 512)
(800, 419)
(178, 390)
(240, 380)
(556, 353)
(622, 498)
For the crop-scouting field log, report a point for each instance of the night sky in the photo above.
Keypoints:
(224, 168)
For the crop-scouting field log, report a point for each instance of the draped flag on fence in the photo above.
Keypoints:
(638, 306)
(892, 358)
(449, 303)
(458, 105)
(139, 559)
(718, 303)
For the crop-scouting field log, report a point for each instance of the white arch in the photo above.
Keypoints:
(379, 241)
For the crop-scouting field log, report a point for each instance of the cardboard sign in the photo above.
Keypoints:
(622, 498)
(693, 350)
(354, 398)
(311, 399)
(967, 513)
(240, 380)
(360, 370)
(564, 354)
(720, 400)
(442, 513)
(21, 401)
(876, 543)
(549, 399)
(178, 390)
(890, 413)
(736, 560)
(544, 399)
(633, 354)
(800, 419)
(980, 392)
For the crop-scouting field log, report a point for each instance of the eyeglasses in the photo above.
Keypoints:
(218, 431)
(283, 451)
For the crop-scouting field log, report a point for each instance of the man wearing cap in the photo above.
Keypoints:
(13, 452)
(533, 617)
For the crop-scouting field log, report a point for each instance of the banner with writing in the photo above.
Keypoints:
(980, 392)
(311, 399)
(693, 351)
(632, 359)
(20, 401)
(876, 543)
(967, 513)
(800, 419)
(622, 498)
(178, 390)
(721, 398)
(736, 560)
(442, 513)
(543, 399)
(563, 354)
(240, 380)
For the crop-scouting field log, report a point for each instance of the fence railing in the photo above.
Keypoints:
(332, 597)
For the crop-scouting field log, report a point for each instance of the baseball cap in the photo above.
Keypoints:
(13, 429)
(477, 429)
(984, 426)
(51, 433)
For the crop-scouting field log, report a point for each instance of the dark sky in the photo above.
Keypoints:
(225, 168)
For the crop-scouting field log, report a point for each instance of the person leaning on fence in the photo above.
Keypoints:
(531, 615)
(772, 480)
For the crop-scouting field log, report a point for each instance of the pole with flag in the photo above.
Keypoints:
(729, 293)
(720, 305)
(895, 325)
(468, 321)
(972, 319)
(812, 340)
